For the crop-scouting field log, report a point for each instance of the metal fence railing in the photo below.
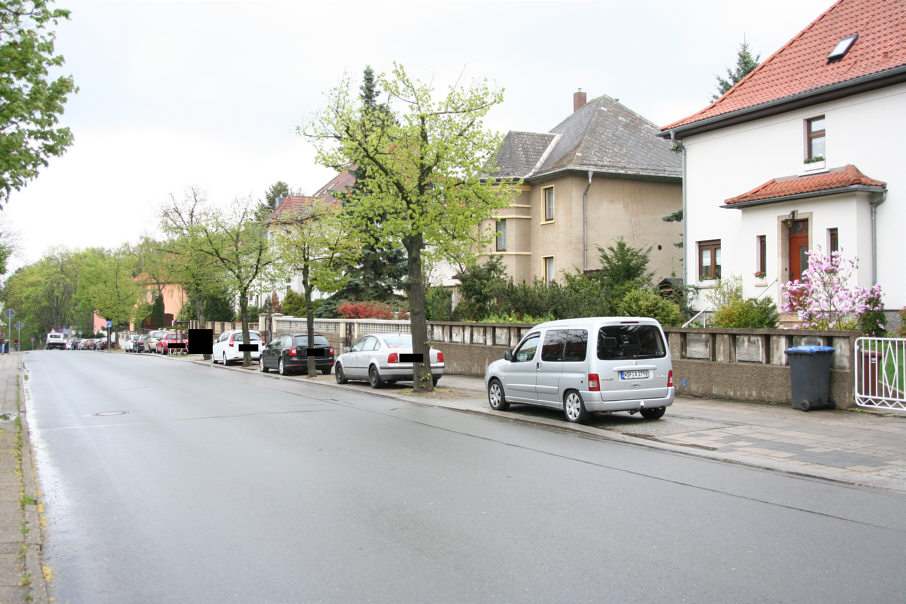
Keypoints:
(880, 365)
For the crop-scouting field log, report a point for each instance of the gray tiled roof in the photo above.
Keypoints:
(602, 136)
(520, 153)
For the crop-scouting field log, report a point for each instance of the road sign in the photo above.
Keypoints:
(19, 324)
(10, 313)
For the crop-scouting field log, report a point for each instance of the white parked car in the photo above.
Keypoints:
(587, 365)
(383, 357)
(227, 347)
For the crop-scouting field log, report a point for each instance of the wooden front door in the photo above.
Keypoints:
(798, 248)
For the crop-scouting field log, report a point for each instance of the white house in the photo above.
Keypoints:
(803, 154)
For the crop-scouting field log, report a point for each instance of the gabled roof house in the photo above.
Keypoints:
(599, 175)
(803, 155)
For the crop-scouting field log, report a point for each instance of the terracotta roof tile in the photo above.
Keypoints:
(341, 182)
(293, 204)
(802, 64)
(824, 183)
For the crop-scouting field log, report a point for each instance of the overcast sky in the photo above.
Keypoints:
(174, 94)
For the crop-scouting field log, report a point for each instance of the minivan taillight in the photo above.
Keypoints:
(594, 384)
(670, 379)
(393, 358)
(440, 357)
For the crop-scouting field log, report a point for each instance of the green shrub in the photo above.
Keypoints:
(746, 313)
(645, 303)
(438, 304)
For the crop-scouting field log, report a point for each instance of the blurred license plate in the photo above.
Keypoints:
(635, 374)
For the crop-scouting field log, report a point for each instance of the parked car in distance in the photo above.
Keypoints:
(226, 348)
(380, 358)
(153, 337)
(131, 341)
(55, 340)
(587, 365)
(172, 343)
(288, 353)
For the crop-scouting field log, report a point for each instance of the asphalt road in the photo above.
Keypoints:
(168, 481)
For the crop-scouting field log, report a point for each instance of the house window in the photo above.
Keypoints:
(501, 235)
(833, 240)
(548, 204)
(814, 132)
(761, 268)
(548, 269)
(709, 259)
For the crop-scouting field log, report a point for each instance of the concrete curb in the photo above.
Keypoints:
(34, 556)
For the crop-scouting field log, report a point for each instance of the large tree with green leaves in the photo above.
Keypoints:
(31, 102)
(381, 269)
(184, 262)
(745, 63)
(238, 245)
(310, 240)
(427, 188)
(107, 284)
(274, 193)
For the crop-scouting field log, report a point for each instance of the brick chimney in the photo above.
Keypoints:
(578, 100)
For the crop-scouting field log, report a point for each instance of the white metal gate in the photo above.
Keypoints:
(881, 373)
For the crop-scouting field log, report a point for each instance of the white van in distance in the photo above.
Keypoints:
(598, 364)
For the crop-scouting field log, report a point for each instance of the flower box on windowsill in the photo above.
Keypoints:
(761, 283)
(813, 165)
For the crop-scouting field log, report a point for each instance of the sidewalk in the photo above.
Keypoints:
(856, 447)
(21, 572)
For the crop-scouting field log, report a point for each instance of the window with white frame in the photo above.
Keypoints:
(549, 269)
(548, 204)
(501, 235)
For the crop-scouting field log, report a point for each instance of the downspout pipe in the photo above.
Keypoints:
(585, 224)
(685, 241)
(874, 236)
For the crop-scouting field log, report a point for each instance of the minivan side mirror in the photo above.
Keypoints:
(508, 355)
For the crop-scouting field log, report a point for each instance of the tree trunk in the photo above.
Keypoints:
(309, 323)
(415, 287)
(199, 316)
(244, 317)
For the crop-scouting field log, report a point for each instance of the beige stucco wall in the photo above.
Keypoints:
(617, 207)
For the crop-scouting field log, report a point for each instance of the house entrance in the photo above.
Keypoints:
(798, 248)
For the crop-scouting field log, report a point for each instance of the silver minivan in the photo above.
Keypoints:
(587, 365)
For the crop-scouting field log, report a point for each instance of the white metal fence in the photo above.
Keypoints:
(881, 373)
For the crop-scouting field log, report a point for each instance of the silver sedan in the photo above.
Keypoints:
(383, 357)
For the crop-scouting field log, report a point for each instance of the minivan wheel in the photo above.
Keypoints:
(496, 397)
(653, 412)
(374, 378)
(574, 408)
(338, 373)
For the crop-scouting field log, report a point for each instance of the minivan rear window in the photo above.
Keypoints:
(630, 342)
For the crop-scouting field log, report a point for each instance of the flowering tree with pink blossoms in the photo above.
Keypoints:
(825, 298)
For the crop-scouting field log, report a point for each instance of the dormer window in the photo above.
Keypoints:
(841, 48)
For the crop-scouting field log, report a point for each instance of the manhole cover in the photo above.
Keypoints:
(109, 413)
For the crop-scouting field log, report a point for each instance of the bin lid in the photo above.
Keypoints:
(809, 349)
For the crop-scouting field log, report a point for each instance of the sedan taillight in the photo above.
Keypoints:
(393, 358)
(292, 352)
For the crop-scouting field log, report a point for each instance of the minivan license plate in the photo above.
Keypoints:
(634, 374)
